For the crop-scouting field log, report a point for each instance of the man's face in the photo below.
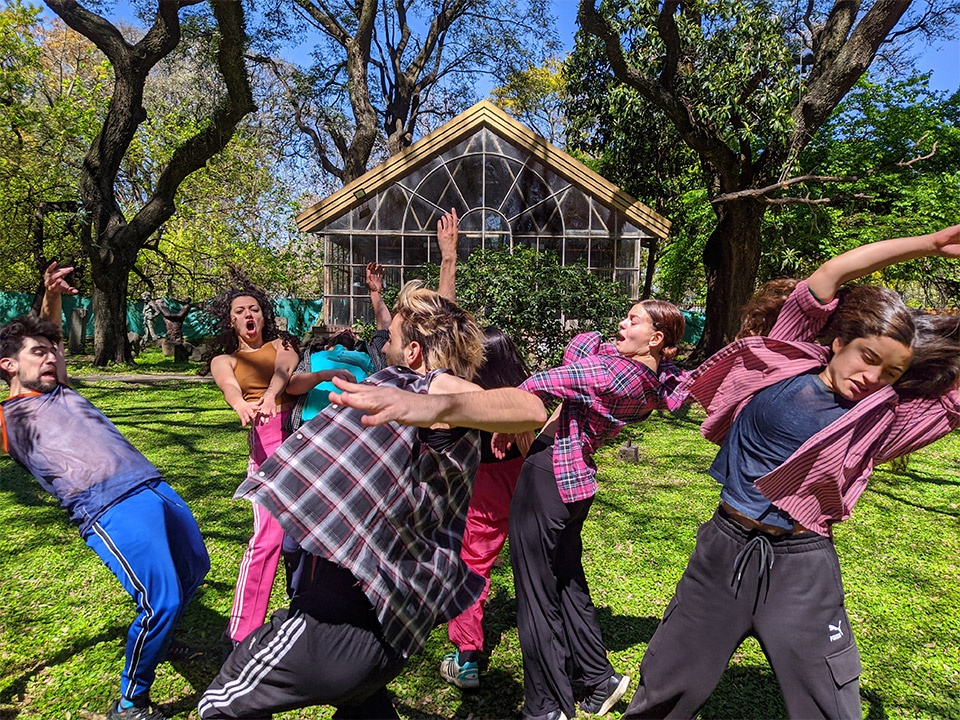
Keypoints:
(394, 350)
(36, 365)
(864, 365)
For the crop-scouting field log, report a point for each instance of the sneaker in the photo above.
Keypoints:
(605, 695)
(464, 675)
(179, 651)
(140, 710)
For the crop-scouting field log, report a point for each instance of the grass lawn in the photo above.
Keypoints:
(63, 617)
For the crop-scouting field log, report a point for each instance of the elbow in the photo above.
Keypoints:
(538, 413)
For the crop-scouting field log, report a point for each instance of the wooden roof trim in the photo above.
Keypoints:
(483, 114)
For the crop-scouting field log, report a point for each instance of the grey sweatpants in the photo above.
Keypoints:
(789, 596)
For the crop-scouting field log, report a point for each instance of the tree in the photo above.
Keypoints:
(53, 94)
(116, 239)
(542, 316)
(747, 85)
(379, 65)
(535, 96)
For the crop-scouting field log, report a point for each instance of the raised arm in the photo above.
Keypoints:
(500, 410)
(375, 285)
(447, 237)
(55, 286)
(828, 278)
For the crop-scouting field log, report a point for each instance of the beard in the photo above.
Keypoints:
(40, 384)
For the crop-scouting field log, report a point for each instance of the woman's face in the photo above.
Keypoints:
(246, 318)
(637, 334)
(864, 365)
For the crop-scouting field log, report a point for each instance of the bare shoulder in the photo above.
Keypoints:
(447, 384)
(223, 363)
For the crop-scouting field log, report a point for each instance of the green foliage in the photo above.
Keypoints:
(536, 301)
(897, 143)
(535, 96)
(63, 616)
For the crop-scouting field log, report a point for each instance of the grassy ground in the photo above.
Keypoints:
(63, 617)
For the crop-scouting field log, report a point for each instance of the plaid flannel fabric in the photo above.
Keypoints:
(601, 392)
(387, 503)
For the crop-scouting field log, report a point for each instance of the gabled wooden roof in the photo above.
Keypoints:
(482, 115)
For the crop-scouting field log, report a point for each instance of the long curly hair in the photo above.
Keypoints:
(225, 340)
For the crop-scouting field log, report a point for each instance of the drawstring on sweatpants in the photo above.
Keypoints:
(757, 543)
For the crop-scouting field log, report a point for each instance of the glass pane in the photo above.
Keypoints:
(467, 243)
(392, 277)
(551, 244)
(392, 205)
(420, 215)
(601, 253)
(627, 252)
(576, 210)
(468, 174)
(339, 311)
(575, 250)
(414, 250)
(363, 310)
(364, 249)
(499, 176)
(601, 219)
(389, 251)
(360, 280)
(629, 281)
(339, 279)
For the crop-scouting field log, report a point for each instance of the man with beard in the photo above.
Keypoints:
(135, 522)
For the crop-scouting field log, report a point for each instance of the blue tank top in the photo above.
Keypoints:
(73, 450)
(776, 422)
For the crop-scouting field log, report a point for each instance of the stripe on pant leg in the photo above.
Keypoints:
(257, 667)
(143, 601)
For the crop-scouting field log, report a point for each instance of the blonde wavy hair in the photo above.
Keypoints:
(448, 335)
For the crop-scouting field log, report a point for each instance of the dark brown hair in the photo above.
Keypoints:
(668, 319)
(866, 310)
(760, 313)
(19, 329)
(502, 365)
(225, 340)
(935, 368)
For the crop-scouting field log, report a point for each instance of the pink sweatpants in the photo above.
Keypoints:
(483, 538)
(258, 568)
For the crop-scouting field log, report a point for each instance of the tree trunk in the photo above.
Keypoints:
(731, 259)
(110, 317)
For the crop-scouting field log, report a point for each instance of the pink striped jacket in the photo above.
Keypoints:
(821, 482)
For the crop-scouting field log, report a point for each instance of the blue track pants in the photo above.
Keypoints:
(151, 543)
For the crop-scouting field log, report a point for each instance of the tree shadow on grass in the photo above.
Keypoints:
(16, 686)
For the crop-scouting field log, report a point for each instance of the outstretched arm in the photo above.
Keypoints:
(55, 286)
(500, 410)
(375, 285)
(447, 238)
(283, 368)
(828, 278)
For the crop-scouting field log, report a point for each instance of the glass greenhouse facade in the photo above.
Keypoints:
(509, 188)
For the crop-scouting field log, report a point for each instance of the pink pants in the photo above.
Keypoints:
(483, 538)
(258, 568)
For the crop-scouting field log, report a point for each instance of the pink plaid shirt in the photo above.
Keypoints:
(601, 392)
(822, 480)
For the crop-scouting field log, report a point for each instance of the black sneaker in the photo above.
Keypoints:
(605, 695)
(140, 710)
(178, 651)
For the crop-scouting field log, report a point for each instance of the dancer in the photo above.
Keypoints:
(379, 513)
(138, 525)
(801, 427)
(486, 528)
(602, 386)
(251, 361)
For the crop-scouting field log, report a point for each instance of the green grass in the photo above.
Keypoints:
(150, 361)
(63, 617)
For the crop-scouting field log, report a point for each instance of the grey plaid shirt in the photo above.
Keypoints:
(387, 503)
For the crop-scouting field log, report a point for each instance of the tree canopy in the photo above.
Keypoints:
(745, 86)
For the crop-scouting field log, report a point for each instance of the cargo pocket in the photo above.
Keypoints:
(845, 668)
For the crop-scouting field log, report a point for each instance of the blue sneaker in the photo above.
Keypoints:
(464, 675)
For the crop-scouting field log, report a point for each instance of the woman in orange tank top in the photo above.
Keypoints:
(251, 361)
